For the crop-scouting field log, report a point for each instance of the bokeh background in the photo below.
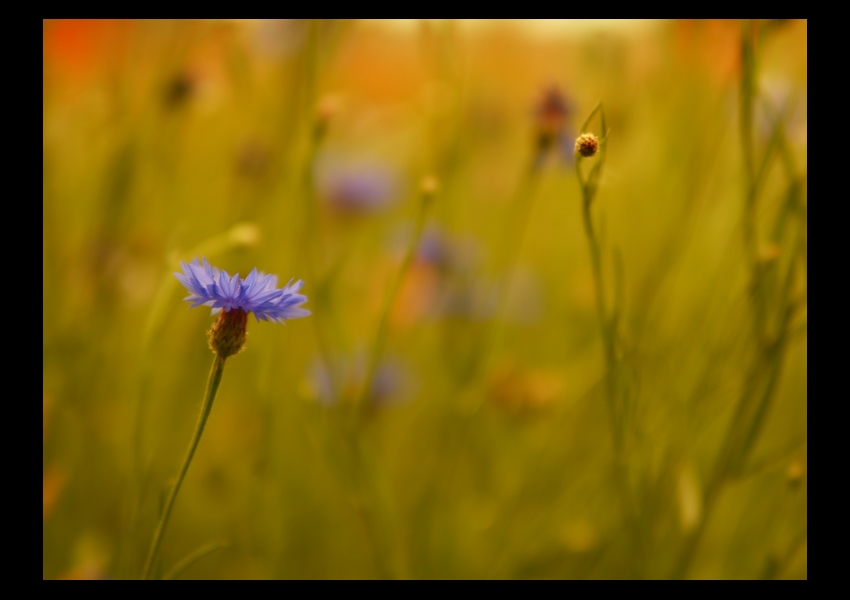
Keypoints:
(485, 450)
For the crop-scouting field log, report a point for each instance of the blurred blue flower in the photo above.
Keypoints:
(461, 293)
(357, 189)
(257, 293)
(390, 385)
(434, 249)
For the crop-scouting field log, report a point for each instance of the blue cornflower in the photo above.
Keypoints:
(234, 297)
(257, 293)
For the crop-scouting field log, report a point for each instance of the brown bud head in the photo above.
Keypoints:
(587, 145)
(227, 335)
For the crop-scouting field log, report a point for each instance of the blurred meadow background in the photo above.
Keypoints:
(601, 377)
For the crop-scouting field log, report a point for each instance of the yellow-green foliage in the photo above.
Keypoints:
(522, 437)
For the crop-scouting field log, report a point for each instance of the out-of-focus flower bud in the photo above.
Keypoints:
(551, 113)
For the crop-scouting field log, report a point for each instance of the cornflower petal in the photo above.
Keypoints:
(257, 293)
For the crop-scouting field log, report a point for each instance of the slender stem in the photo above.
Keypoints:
(607, 334)
(614, 384)
(588, 188)
(747, 97)
(209, 396)
(190, 560)
(614, 400)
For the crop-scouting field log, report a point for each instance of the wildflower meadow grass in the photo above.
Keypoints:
(546, 314)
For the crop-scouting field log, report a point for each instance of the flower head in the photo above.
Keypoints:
(256, 293)
(587, 145)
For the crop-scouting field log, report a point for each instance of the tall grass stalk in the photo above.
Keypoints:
(194, 557)
(209, 396)
(588, 187)
(772, 330)
(616, 382)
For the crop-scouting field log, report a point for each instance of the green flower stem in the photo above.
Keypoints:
(241, 235)
(615, 382)
(605, 325)
(588, 188)
(212, 387)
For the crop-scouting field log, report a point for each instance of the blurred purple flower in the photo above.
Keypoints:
(389, 386)
(552, 114)
(257, 293)
(357, 189)
(434, 249)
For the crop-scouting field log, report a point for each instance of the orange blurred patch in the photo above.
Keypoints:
(416, 296)
(369, 70)
(76, 49)
(714, 45)
(516, 389)
(89, 558)
(52, 485)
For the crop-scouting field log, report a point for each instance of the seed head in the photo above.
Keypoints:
(587, 145)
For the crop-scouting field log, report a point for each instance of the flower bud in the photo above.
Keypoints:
(227, 335)
(587, 145)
